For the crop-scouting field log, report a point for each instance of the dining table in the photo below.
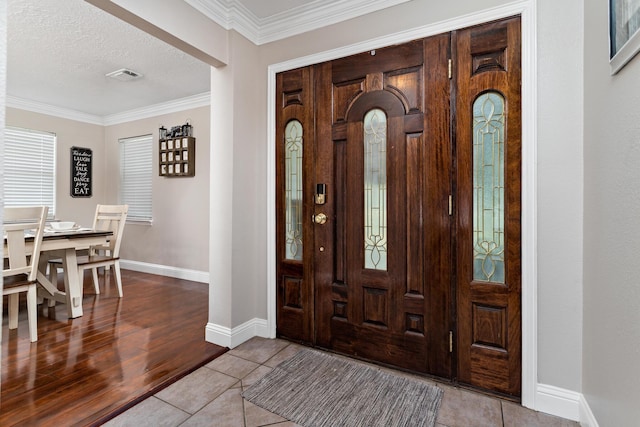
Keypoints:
(65, 244)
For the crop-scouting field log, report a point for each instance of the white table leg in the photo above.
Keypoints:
(72, 283)
(47, 290)
(46, 284)
(42, 278)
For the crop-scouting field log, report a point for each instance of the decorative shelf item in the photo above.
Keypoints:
(177, 151)
(177, 156)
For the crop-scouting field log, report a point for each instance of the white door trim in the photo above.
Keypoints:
(527, 10)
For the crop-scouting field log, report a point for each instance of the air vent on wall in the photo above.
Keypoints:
(124, 75)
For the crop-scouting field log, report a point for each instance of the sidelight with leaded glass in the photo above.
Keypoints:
(293, 190)
(488, 187)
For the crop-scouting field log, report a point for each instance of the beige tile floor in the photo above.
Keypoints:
(211, 396)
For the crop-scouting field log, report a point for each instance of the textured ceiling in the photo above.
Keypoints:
(60, 50)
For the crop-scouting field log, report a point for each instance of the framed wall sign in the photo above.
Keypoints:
(624, 37)
(81, 159)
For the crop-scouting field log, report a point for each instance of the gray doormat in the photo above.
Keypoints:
(316, 389)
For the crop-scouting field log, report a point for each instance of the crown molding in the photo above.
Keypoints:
(52, 110)
(177, 105)
(232, 15)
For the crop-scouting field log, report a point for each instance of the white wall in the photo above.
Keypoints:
(249, 171)
(179, 234)
(560, 189)
(611, 354)
(221, 201)
(238, 200)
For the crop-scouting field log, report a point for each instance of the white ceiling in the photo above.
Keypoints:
(58, 51)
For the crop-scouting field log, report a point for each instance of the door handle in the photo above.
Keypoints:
(320, 218)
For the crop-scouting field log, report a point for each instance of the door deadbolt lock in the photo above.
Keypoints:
(321, 192)
(320, 218)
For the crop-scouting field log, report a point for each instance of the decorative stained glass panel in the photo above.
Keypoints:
(293, 190)
(488, 188)
(375, 190)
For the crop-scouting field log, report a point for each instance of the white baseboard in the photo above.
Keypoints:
(558, 401)
(163, 270)
(587, 419)
(233, 337)
(564, 403)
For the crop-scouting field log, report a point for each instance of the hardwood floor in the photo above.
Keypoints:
(81, 371)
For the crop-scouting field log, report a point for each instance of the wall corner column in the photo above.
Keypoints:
(218, 329)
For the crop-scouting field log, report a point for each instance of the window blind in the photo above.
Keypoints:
(29, 168)
(136, 177)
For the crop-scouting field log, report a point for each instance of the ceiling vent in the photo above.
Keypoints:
(124, 75)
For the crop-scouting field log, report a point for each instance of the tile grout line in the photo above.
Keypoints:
(241, 380)
(174, 406)
(260, 365)
(244, 409)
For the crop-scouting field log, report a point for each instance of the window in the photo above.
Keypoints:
(29, 168)
(136, 176)
(293, 190)
(488, 188)
(375, 190)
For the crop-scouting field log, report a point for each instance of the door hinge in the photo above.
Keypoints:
(450, 205)
(450, 341)
(450, 66)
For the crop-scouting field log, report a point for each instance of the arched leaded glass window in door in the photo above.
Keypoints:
(293, 190)
(488, 187)
(375, 190)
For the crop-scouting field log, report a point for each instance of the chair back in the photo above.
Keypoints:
(113, 218)
(23, 230)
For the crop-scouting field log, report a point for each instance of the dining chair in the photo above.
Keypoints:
(23, 228)
(107, 217)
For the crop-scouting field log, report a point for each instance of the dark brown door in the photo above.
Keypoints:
(294, 201)
(385, 203)
(488, 148)
(382, 260)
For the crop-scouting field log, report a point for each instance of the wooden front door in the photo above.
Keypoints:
(375, 200)
(383, 279)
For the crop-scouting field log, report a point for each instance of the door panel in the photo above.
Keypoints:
(294, 172)
(398, 314)
(488, 220)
